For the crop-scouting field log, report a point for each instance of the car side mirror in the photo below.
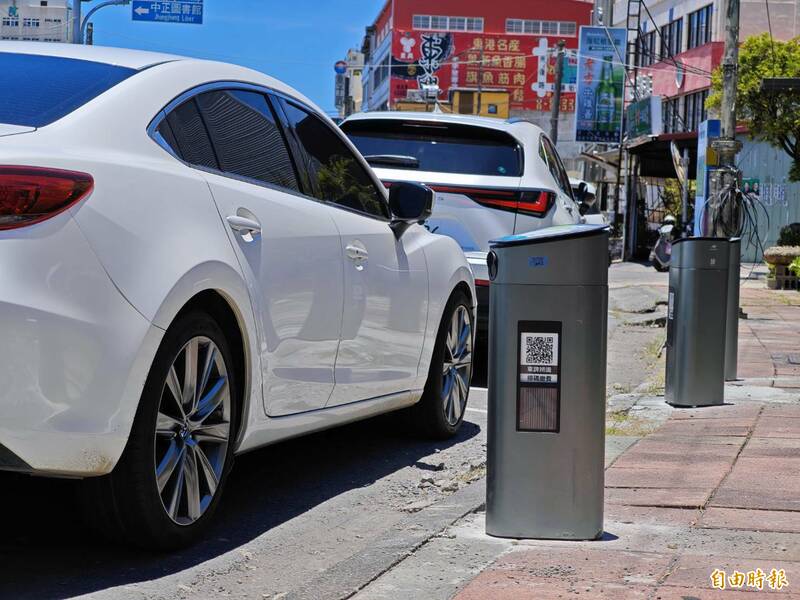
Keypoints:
(580, 198)
(410, 203)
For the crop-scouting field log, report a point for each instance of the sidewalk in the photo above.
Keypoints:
(769, 339)
(713, 488)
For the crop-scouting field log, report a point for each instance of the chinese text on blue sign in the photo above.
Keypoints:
(182, 11)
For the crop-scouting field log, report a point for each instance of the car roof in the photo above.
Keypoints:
(120, 57)
(141, 59)
(512, 125)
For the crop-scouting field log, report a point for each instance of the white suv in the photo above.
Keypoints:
(492, 178)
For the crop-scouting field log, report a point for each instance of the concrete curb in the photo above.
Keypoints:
(353, 574)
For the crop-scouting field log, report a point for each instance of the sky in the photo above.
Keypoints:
(296, 41)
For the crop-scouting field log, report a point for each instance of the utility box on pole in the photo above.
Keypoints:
(696, 322)
(547, 383)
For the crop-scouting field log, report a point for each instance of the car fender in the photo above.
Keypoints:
(447, 268)
(229, 283)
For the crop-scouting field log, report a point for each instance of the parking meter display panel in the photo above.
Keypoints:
(538, 382)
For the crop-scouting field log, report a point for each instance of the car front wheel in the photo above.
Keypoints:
(440, 412)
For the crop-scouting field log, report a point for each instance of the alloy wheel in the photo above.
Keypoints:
(457, 368)
(192, 430)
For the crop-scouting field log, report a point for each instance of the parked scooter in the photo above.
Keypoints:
(661, 253)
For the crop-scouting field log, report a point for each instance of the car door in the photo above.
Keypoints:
(385, 278)
(287, 243)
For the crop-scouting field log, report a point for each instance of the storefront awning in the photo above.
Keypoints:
(655, 158)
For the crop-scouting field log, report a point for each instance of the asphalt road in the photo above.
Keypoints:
(315, 517)
(290, 511)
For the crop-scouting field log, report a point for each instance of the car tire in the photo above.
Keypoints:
(440, 411)
(167, 485)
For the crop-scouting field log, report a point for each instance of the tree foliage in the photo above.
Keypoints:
(773, 117)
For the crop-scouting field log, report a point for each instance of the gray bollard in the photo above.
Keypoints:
(696, 322)
(548, 315)
(732, 313)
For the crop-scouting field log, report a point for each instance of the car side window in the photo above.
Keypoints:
(246, 137)
(337, 176)
(557, 170)
(189, 135)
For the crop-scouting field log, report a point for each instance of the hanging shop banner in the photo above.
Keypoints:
(601, 73)
(522, 65)
(643, 118)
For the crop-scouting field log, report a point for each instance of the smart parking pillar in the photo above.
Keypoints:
(696, 322)
(547, 378)
(732, 313)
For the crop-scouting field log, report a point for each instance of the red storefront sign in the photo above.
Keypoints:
(523, 65)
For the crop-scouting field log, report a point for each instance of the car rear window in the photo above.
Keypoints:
(439, 147)
(38, 90)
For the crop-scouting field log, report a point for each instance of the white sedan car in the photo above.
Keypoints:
(196, 263)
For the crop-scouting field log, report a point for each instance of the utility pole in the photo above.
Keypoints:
(480, 82)
(556, 99)
(727, 146)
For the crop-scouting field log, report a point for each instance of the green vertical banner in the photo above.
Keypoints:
(601, 72)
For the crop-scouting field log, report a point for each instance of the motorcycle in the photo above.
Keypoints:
(661, 253)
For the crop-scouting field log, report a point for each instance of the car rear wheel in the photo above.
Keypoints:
(166, 487)
(440, 412)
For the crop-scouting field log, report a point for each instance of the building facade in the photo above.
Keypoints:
(348, 88)
(415, 49)
(34, 20)
(680, 43)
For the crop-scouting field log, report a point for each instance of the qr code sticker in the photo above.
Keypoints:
(539, 349)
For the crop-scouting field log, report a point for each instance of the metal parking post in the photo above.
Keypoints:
(732, 312)
(547, 378)
(696, 322)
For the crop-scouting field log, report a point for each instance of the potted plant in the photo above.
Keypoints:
(794, 268)
(772, 281)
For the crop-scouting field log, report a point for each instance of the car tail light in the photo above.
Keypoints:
(30, 195)
(482, 282)
(536, 202)
(528, 202)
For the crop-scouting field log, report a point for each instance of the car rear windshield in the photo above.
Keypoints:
(439, 147)
(38, 90)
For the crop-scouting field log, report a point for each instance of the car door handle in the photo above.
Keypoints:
(356, 253)
(243, 225)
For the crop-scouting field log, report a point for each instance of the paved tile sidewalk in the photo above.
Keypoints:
(769, 339)
(714, 488)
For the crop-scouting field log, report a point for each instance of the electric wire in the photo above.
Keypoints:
(745, 207)
(670, 56)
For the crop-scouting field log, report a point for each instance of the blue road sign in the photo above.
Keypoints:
(178, 11)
